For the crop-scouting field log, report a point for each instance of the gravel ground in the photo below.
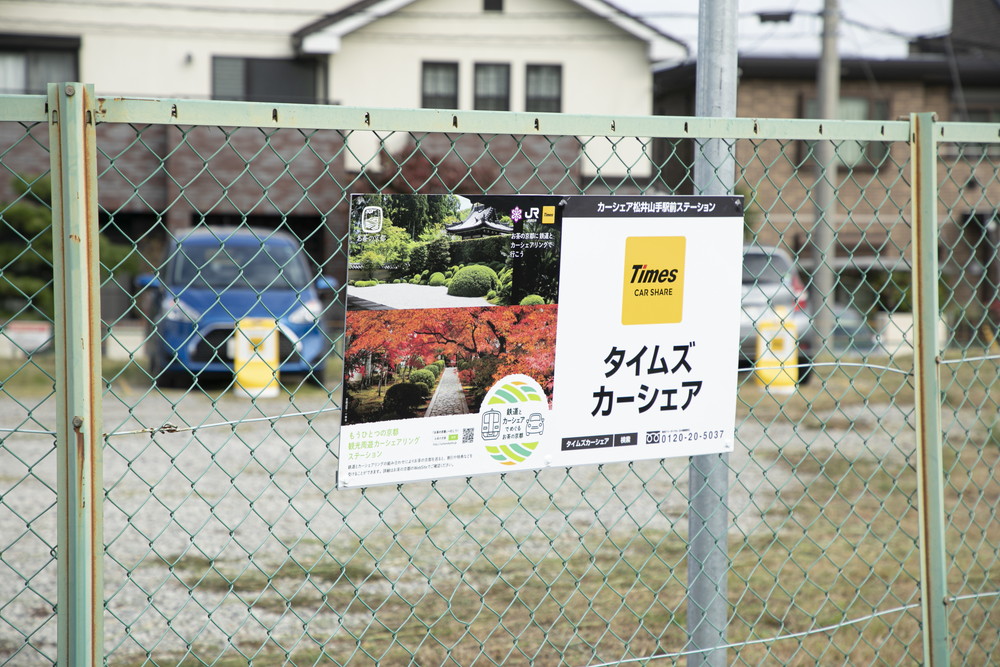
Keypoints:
(179, 502)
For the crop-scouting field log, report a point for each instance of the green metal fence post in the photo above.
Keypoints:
(708, 477)
(926, 360)
(75, 260)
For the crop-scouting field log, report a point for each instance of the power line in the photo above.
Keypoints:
(886, 31)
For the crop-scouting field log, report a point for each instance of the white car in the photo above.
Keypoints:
(771, 284)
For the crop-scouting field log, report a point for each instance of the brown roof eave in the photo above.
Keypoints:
(932, 70)
(329, 19)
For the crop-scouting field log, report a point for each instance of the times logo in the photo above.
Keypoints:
(653, 280)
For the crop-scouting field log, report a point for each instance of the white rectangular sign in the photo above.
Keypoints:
(554, 332)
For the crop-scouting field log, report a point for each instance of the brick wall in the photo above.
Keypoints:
(872, 210)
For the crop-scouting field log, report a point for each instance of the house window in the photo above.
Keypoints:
(264, 80)
(29, 64)
(853, 154)
(492, 5)
(492, 87)
(440, 86)
(543, 88)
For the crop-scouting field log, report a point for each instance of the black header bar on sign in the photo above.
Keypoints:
(648, 206)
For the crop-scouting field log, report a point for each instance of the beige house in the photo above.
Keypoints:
(579, 56)
(516, 55)
(501, 55)
(507, 55)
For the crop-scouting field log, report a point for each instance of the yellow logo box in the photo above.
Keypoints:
(653, 290)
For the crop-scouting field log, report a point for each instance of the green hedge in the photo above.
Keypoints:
(418, 257)
(423, 377)
(480, 251)
(439, 254)
(402, 400)
(473, 280)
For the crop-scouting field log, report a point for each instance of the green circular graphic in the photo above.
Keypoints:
(512, 412)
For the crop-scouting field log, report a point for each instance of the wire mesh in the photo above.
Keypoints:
(27, 373)
(226, 540)
(970, 304)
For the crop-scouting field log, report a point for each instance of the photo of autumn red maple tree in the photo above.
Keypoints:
(397, 362)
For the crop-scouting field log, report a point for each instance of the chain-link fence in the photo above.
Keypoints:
(152, 516)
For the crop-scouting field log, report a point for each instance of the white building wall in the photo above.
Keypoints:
(605, 69)
(166, 49)
(131, 49)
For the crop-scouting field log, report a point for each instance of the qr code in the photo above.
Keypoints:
(467, 435)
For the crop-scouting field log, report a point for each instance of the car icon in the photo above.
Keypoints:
(536, 423)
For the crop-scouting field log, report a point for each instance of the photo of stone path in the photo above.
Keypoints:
(448, 399)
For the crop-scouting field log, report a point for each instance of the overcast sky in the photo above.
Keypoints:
(886, 18)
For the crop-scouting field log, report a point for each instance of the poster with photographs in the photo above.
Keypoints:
(515, 332)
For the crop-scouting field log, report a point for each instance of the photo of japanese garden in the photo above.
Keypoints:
(447, 251)
(403, 364)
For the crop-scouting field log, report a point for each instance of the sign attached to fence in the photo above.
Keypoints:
(504, 333)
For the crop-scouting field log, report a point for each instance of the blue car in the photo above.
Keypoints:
(215, 276)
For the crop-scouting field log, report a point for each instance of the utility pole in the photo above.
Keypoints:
(708, 487)
(824, 193)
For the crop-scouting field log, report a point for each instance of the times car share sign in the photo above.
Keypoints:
(503, 333)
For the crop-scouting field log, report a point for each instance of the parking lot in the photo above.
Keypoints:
(211, 496)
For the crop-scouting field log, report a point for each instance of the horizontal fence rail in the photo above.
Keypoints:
(861, 504)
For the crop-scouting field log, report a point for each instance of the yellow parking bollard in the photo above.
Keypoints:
(777, 353)
(255, 357)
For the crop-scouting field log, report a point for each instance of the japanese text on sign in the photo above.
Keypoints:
(646, 396)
